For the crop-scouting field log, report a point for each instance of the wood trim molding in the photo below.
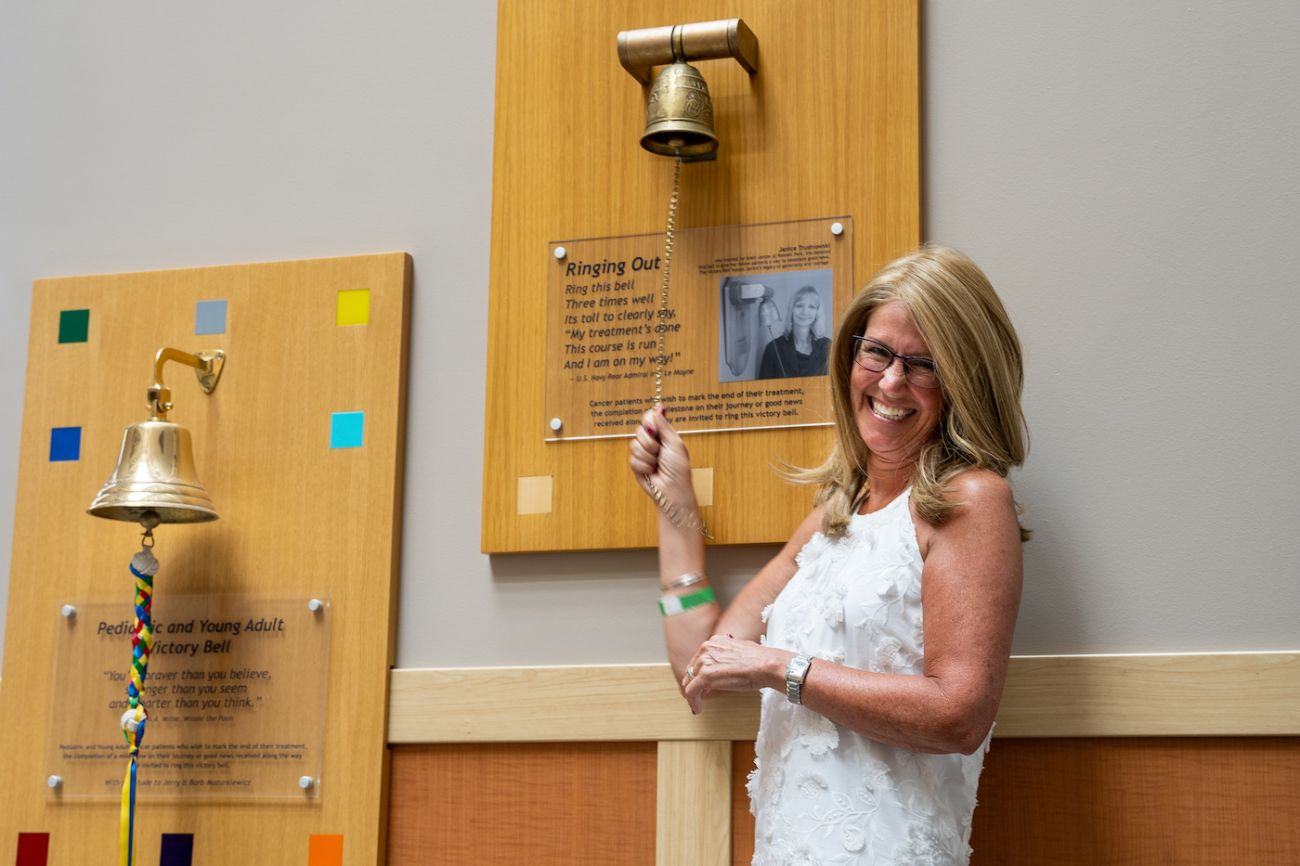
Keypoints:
(1197, 694)
(693, 806)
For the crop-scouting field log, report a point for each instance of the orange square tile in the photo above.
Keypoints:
(325, 850)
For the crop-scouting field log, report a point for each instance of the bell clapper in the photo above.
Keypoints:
(148, 520)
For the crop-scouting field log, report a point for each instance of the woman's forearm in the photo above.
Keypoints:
(681, 552)
(916, 712)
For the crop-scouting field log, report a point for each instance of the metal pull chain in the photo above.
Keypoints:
(661, 359)
(672, 511)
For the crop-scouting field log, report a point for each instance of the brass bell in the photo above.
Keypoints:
(155, 472)
(154, 480)
(679, 114)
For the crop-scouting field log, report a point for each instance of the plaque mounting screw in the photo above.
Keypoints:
(306, 782)
(561, 252)
(69, 611)
(55, 781)
(556, 424)
(837, 229)
(315, 605)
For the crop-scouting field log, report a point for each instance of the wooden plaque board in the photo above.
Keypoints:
(308, 508)
(830, 124)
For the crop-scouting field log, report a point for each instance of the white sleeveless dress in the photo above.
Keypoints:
(820, 793)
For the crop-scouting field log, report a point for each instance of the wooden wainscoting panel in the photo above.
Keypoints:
(543, 804)
(742, 823)
(1139, 802)
(1203, 801)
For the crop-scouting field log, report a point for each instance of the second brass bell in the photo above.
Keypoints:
(679, 114)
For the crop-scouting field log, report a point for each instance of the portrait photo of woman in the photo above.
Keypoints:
(775, 325)
(801, 349)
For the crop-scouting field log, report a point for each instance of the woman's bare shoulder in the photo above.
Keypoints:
(810, 526)
(979, 495)
(980, 488)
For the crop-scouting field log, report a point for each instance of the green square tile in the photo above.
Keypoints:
(74, 325)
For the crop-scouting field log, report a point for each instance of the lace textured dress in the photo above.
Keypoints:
(820, 793)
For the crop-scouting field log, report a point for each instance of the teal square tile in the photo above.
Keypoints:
(74, 326)
(347, 429)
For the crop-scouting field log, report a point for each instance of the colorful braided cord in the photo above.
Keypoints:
(144, 567)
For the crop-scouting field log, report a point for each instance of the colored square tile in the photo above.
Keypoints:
(33, 849)
(210, 317)
(325, 850)
(534, 494)
(354, 307)
(347, 429)
(65, 444)
(177, 849)
(74, 326)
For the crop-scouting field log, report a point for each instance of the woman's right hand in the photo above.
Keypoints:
(658, 453)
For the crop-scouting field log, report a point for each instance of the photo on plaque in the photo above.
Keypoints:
(774, 325)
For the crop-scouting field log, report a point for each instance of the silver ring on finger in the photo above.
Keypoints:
(690, 673)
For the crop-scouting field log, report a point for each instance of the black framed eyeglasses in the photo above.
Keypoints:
(875, 356)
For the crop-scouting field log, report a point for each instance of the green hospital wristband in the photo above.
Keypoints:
(671, 605)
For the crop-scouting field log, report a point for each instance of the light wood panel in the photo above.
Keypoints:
(829, 125)
(1198, 694)
(539, 804)
(579, 703)
(1045, 696)
(297, 519)
(693, 827)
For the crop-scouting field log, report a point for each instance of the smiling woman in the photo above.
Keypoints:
(940, 297)
(879, 635)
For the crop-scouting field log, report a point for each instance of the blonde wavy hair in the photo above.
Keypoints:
(977, 354)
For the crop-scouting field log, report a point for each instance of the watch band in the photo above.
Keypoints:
(795, 674)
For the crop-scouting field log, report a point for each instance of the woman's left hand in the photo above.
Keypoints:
(725, 664)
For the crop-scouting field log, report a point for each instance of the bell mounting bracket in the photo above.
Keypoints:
(641, 50)
(207, 365)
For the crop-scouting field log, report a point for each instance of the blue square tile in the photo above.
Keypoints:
(210, 317)
(177, 849)
(65, 444)
(347, 429)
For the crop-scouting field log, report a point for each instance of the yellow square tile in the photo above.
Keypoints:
(354, 307)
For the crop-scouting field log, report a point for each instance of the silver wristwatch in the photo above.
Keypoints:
(795, 674)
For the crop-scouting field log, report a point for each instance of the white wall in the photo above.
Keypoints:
(1127, 173)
